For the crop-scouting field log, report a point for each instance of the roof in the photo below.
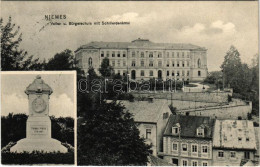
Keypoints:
(155, 161)
(139, 43)
(189, 125)
(247, 162)
(38, 85)
(144, 111)
(234, 134)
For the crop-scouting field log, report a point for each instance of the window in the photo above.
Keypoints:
(113, 54)
(184, 163)
(232, 154)
(167, 64)
(142, 54)
(168, 73)
(240, 139)
(124, 73)
(183, 64)
(142, 63)
(199, 63)
(148, 133)
(204, 163)
(199, 73)
(113, 63)
(194, 148)
(108, 53)
(178, 64)
(142, 73)
(150, 54)
(173, 73)
(174, 146)
(247, 139)
(221, 154)
(124, 54)
(204, 149)
(200, 131)
(118, 72)
(175, 130)
(159, 54)
(133, 63)
(167, 54)
(247, 155)
(182, 54)
(173, 63)
(133, 54)
(102, 54)
(188, 55)
(188, 73)
(172, 54)
(178, 73)
(188, 63)
(118, 63)
(184, 147)
(194, 163)
(90, 62)
(151, 73)
(178, 55)
(150, 63)
(118, 54)
(124, 63)
(159, 63)
(183, 73)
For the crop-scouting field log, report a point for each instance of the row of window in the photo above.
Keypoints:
(142, 54)
(151, 63)
(233, 154)
(194, 148)
(193, 163)
(177, 73)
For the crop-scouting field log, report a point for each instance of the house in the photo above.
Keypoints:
(151, 118)
(187, 140)
(233, 142)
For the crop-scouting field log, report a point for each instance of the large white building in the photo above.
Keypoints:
(143, 59)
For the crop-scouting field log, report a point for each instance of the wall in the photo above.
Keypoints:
(221, 112)
(168, 153)
(191, 96)
(227, 160)
(142, 128)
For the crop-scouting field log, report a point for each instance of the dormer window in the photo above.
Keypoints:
(200, 132)
(176, 129)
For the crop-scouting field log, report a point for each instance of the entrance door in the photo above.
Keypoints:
(159, 74)
(133, 74)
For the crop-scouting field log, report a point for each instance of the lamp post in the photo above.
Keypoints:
(175, 82)
(128, 87)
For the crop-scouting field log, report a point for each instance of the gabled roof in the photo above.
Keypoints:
(189, 125)
(155, 161)
(144, 111)
(139, 43)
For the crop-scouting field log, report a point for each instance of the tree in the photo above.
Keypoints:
(13, 58)
(108, 136)
(61, 61)
(106, 70)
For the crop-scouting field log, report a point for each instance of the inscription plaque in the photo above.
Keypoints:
(39, 130)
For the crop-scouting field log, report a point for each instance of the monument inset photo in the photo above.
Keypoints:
(47, 127)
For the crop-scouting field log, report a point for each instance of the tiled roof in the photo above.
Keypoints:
(140, 43)
(234, 134)
(155, 161)
(189, 125)
(144, 111)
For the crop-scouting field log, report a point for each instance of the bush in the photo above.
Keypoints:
(37, 157)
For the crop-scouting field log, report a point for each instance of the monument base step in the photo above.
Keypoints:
(45, 145)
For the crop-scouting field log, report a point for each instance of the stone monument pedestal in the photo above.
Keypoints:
(38, 125)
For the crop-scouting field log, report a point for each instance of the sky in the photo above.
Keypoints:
(215, 25)
(14, 100)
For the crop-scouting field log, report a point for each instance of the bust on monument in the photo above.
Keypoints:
(38, 125)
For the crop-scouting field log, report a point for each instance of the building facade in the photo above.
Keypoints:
(151, 118)
(234, 141)
(143, 59)
(187, 141)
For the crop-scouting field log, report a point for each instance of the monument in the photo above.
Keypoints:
(38, 125)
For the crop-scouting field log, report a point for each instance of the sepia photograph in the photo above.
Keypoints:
(158, 83)
(38, 111)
